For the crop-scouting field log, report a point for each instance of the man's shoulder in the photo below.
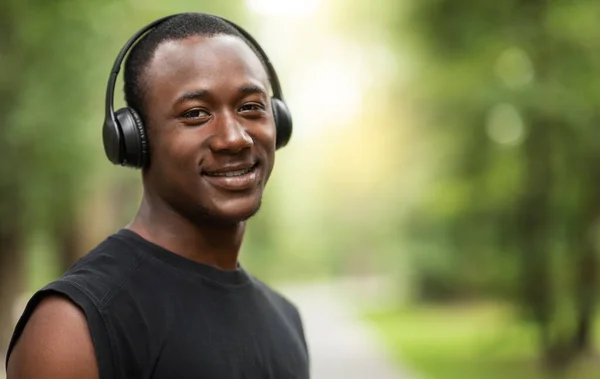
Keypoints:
(276, 296)
(285, 307)
(91, 286)
(55, 344)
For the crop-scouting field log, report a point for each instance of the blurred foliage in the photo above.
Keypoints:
(451, 144)
(468, 341)
(506, 96)
(501, 198)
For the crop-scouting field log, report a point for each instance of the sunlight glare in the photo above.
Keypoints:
(283, 7)
(328, 92)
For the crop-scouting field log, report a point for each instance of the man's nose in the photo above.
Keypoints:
(231, 136)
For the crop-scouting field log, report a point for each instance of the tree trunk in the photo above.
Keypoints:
(66, 237)
(11, 280)
(536, 224)
(583, 333)
(587, 280)
(533, 223)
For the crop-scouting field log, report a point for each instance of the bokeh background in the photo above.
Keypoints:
(445, 163)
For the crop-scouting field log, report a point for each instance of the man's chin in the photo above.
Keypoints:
(226, 216)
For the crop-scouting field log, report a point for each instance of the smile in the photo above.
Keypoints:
(230, 174)
(234, 179)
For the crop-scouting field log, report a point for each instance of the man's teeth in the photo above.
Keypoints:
(233, 173)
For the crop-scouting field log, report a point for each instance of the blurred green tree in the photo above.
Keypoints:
(44, 117)
(507, 97)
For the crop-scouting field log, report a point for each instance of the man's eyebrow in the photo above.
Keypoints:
(195, 95)
(250, 89)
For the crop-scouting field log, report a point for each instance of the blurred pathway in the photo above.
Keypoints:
(341, 345)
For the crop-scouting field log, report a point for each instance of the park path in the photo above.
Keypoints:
(342, 346)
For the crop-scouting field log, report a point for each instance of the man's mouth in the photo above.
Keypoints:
(240, 177)
(232, 173)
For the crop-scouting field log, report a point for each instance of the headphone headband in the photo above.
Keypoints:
(114, 72)
(123, 133)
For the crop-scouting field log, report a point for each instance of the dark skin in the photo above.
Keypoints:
(224, 120)
(212, 142)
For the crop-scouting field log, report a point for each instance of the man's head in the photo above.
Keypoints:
(177, 28)
(203, 94)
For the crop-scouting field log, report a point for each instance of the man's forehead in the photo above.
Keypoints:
(206, 54)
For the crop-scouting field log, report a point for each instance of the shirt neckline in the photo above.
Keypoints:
(230, 278)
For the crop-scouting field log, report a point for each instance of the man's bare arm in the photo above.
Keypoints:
(55, 344)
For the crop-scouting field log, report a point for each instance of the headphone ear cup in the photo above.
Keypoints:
(112, 141)
(135, 143)
(283, 122)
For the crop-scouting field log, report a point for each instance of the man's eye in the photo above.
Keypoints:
(195, 113)
(252, 107)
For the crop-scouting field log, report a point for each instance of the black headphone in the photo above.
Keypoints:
(124, 134)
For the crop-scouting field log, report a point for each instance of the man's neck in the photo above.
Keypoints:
(216, 246)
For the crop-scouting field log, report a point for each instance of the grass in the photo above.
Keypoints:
(468, 342)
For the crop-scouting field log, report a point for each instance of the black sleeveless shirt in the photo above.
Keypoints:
(153, 314)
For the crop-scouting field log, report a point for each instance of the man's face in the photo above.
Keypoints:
(210, 128)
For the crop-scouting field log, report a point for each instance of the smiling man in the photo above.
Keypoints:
(165, 296)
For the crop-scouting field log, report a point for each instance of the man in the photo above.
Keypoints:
(165, 297)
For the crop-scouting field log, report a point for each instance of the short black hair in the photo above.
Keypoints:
(179, 27)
